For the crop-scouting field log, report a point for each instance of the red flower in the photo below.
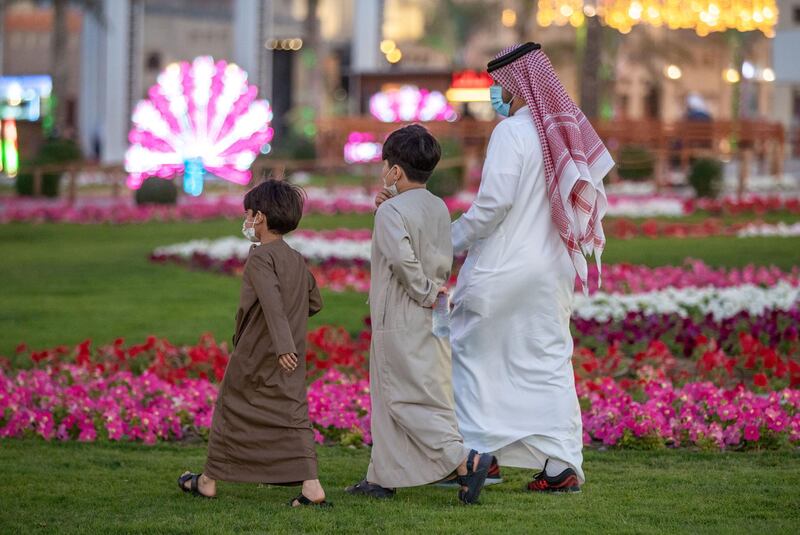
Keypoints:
(760, 379)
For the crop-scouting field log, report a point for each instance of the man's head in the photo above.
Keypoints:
(410, 154)
(274, 206)
(510, 97)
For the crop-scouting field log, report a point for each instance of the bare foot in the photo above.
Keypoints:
(206, 485)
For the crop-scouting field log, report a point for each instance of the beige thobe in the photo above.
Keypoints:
(414, 430)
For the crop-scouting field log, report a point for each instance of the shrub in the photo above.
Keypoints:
(705, 177)
(157, 191)
(53, 151)
(295, 147)
(445, 182)
(635, 163)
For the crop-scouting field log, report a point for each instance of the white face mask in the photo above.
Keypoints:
(250, 232)
(391, 189)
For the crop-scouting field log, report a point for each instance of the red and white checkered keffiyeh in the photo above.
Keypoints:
(575, 159)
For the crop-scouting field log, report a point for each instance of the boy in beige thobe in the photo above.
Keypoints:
(414, 429)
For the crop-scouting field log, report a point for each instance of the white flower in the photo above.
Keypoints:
(783, 230)
(721, 303)
(314, 246)
(645, 207)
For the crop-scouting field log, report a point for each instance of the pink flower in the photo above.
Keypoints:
(751, 433)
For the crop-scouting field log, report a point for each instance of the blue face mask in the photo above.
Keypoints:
(496, 96)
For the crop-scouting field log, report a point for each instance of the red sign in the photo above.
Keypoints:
(471, 80)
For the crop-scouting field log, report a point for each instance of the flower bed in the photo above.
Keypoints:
(156, 391)
(748, 204)
(341, 259)
(756, 230)
(719, 303)
(339, 200)
(96, 210)
(776, 329)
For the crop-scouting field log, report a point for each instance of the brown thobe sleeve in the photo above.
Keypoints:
(314, 297)
(268, 290)
(394, 243)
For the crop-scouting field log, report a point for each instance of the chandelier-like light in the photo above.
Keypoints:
(702, 16)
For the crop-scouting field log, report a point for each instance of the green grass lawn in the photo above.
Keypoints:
(102, 488)
(61, 284)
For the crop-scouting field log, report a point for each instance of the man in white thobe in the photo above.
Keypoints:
(512, 348)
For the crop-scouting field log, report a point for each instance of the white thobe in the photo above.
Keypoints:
(512, 348)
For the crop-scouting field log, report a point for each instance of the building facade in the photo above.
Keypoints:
(333, 62)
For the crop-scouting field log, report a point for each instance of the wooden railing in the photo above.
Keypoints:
(679, 142)
(114, 176)
(670, 143)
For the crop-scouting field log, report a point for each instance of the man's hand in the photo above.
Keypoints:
(382, 196)
(288, 362)
(443, 290)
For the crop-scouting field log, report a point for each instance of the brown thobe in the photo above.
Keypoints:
(261, 432)
(414, 430)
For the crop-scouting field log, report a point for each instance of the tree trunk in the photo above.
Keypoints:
(59, 65)
(590, 68)
(313, 57)
(2, 31)
(525, 20)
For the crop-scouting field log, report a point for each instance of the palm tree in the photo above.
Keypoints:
(58, 65)
(312, 57)
(590, 40)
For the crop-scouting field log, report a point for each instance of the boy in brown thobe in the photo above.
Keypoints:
(414, 429)
(261, 431)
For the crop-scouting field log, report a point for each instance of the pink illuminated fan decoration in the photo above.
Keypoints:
(199, 118)
(410, 103)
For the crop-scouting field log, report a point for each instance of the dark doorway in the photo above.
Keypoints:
(282, 75)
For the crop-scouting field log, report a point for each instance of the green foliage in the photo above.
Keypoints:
(446, 182)
(53, 151)
(294, 146)
(705, 177)
(647, 442)
(635, 163)
(157, 191)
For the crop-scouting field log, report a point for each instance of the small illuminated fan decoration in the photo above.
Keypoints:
(361, 147)
(200, 118)
(410, 103)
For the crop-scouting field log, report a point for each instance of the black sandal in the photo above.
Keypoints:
(303, 501)
(194, 488)
(365, 488)
(475, 477)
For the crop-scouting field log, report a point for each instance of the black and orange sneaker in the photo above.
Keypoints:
(493, 477)
(566, 481)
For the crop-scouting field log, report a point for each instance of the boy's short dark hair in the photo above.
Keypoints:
(280, 202)
(415, 150)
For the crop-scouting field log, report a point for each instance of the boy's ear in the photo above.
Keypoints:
(400, 172)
